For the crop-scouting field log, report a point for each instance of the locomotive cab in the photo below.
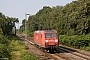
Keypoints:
(51, 40)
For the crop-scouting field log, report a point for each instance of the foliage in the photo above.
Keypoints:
(19, 50)
(4, 48)
(76, 41)
(31, 34)
(28, 56)
(7, 24)
(71, 19)
(12, 48)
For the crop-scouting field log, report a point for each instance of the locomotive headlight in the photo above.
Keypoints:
(46, 40)
(56, 40)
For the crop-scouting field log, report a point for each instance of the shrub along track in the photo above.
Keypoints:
(64, 52)
(39, 52)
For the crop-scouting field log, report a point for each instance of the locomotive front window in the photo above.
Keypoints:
(47, 35)
(53, 35)
(50, 35)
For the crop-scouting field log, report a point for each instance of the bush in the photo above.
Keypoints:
(28, 56)
(4, 49)
(75, 41)
(13, 48)
(19, 50)
(31, 34)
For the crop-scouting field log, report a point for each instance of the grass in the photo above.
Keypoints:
(19, 51)
(4, 47)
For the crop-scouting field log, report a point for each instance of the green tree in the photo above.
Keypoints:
(7, 24)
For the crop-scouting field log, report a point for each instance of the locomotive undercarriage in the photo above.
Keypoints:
(52, 48)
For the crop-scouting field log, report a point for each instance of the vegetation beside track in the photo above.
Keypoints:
(76, 41)
(4, 48)
(13, 48)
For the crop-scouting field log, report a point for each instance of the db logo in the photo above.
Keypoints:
(37, 37)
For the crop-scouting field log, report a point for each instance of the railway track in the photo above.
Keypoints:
(64, 53)
(51, 56)
(75, 53)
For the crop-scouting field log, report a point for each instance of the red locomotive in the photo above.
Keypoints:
(47, 39)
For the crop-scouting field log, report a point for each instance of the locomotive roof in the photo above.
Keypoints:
(39, 31)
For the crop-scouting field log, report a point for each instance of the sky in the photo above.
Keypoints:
(18, 8)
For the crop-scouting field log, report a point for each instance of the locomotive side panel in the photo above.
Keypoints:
(38, 39)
